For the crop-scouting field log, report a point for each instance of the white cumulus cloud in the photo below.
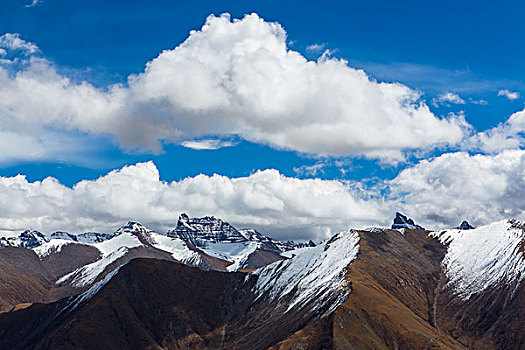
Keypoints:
(511, 95)
(448, 98)
(437, 193)
(457, 186)
(12, 41)
(231, 77)
(506, 135)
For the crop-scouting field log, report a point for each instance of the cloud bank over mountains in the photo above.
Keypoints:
(266, 199)
(231, 77)
(439, 193)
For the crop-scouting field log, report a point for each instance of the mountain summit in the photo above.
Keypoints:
(246, 248)
(465, 226)
(401, 221)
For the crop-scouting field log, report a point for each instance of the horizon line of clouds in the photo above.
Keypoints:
(437, 193)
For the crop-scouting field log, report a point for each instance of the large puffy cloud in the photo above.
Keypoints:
(231, 77)
(285, 207)
(458, 186)
(250, 84)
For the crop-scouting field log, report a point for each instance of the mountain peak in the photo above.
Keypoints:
(402, 221)
(133, 227)
(465, 226)
(26, 239)
(202, 231)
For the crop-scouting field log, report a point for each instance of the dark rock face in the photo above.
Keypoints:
(465, 226)
(401, 221)
(202, 231)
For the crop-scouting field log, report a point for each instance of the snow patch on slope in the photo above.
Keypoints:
(88, 294)
(53, 246)
(125, 239)
(479, 258)
(111, 250)
(176, 247)
(237, 253)
(88, 274)
(314, 275)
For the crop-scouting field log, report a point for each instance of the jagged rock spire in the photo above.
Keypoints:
(401, 221)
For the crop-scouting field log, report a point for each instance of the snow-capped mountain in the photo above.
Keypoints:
(210, 244)
(258, 307)
(245, 248)
(315, 276)
(483, 257)
(377, 288)
(33, 239)
(27, 239)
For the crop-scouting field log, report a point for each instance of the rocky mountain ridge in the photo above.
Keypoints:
(380, 288)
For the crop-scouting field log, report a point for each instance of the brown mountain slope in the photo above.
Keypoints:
(168, 306)
(391, 303)
(25, 278)
(494, 319)
(22, 277)
(398, 300)
(155, 304)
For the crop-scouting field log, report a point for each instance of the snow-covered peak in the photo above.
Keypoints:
(132, 227)
(485, 256)
(93, 237)
(200, 232)
(313, 275)
(63, 235)
(111, 250)
(27, 239)
(124, 239)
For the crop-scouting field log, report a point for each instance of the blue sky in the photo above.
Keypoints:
(463, 58)
(465, 47)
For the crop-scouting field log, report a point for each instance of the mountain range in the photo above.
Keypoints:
(207, 285)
